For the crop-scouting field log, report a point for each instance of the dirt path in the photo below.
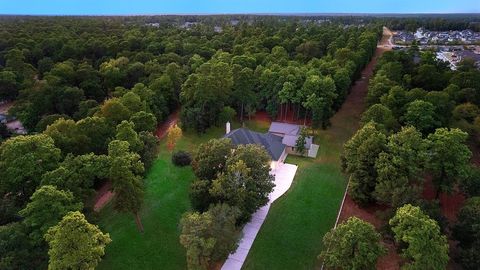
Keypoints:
(104, 194)
(171, 120)
(348, 119)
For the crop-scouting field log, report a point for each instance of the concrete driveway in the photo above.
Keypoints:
(283, 180)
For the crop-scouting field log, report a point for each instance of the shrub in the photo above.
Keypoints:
(181, 158)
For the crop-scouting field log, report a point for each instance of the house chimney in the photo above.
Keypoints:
(227, 127)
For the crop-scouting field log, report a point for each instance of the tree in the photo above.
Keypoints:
(257, 160)
(466, 111)
(301, 141)
(133, 102)
(381, 115)
(226, 115)
(23, 160)
(243, 89)
(126, 132)
(126, 175)
(421, 115)
(395, 100)
(78, 174)
(98, 132)
(150, 148)
(114, 111)
(425, 246)
(360, 155)
(209, 159)
(470, 184)
(354, 244)
(68, 137)
(448, 157)
(174, 133)
(208, 89)
(236, 187)
(210, 236)
(75, 243)
(144, 121)
(320, 94)
(48, 120)
(467, 233)
(399, 168)
(378, 86)
(69, 100)
(17, 249)
(46, 208)
(8, 85)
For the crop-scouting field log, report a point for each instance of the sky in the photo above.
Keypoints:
(137, 7)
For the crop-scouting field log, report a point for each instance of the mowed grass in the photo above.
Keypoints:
(166, 200)
(291, 237)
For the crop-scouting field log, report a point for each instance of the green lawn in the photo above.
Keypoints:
(291, 237)
(166, 199)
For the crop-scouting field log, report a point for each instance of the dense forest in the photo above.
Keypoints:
(420, 128)
(90, 92)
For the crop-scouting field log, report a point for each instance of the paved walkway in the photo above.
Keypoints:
(283, 180)
(312, 152)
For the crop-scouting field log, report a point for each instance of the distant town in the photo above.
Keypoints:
(450, 46)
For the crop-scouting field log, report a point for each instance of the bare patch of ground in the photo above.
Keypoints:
(104, 195)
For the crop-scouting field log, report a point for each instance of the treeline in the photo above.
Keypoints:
(419, 121)
(445, 22)
(307, 70)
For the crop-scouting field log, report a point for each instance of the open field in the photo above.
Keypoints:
(166, 199)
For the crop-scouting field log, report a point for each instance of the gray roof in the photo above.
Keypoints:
(284, 128)
(272, 143)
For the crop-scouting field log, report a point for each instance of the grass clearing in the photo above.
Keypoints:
(166, 199)
(291, 237)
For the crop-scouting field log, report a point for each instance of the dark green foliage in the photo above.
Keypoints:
(210, 236)
(226, 115)
(46, 208)
(125, 172)
(18, 252)
(210, 158)
(448, 157)
(354, 244)
(399, 168)
(23, 160)
(149, 152)
(360, 155)
(181, 158)
(381, 115)
(48, 120)
(301, 141)
(470, 184)
(4, 132)
(78, 174)
(421, 115)
(425, 246)
(144, 121)
(237, 176)
(467, 233)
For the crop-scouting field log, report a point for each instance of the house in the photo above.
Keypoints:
(279, 141)
(289, 134)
